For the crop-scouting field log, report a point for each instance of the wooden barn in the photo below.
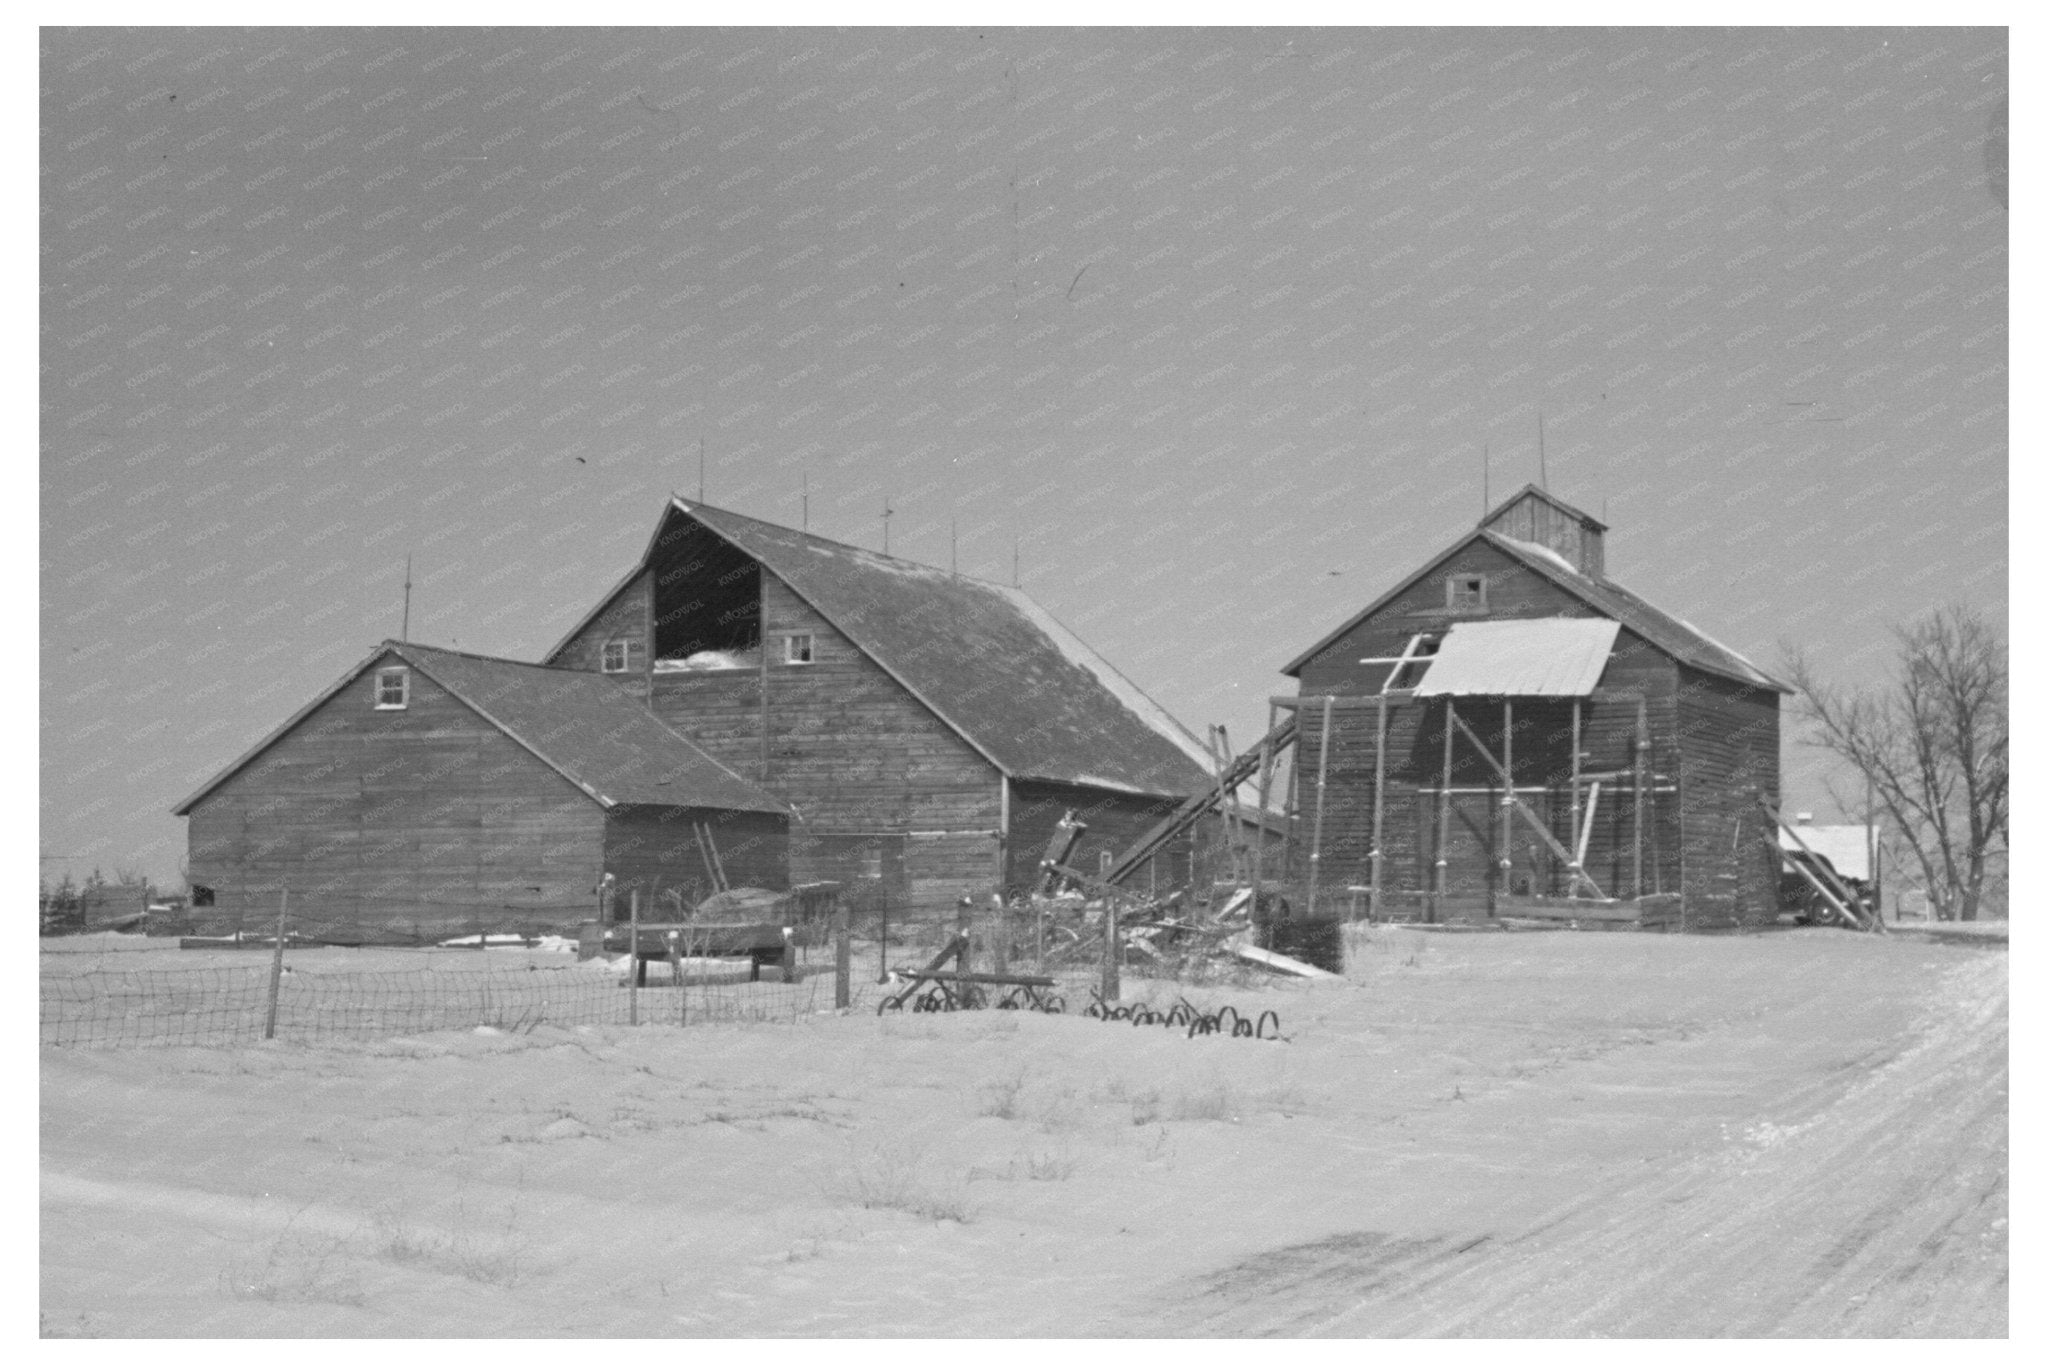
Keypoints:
(930, 728)
(1509, 732)
(430, 794)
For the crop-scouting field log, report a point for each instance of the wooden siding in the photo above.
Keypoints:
(853, 751)
(1539, 522)
(655, 848)
(1542, 755)
(627, 616)
(426, 819)
(1728, 735)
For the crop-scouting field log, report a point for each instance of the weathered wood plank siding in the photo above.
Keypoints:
(427, 819)
(1728, 734)
(627, 616)
(644, 845)
(854, 752)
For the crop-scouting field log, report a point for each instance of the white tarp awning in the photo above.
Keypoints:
(1552, 656)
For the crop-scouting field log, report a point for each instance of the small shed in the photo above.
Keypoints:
(430, 793)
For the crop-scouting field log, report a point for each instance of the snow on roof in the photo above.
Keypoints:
(1530, 547)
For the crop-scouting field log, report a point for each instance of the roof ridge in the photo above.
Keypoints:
(679, 500)
(1544, 493)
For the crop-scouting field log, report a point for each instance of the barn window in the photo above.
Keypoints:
(621, 655)
(393, 688)
(1465, 592)
(797, 648)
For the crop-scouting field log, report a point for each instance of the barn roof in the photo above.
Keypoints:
(1680, 639)
(990, 662)
(583, 725)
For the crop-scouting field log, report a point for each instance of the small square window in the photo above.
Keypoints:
(1465, 592)
(393, 688)
(798, 648)
(620, 656)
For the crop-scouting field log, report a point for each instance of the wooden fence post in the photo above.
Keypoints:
(999, 944)
(882, 976)
(276, 963)
(1112, 977)
(842, 956)
(633, 958)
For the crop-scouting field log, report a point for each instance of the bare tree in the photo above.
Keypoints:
(1931, 742)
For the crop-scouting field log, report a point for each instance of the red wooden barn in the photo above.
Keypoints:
(429, 793)
(1633, 745)
(929, 727)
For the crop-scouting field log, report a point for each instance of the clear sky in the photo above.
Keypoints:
(1217, 329)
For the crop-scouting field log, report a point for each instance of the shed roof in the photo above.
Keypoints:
(1682, 640)
(1551, 656)
(583, 725)
(994, 665)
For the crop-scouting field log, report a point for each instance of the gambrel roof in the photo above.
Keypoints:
(580, 724)
(1682, 640)
(1017, 686)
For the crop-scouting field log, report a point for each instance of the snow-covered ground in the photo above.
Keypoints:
(1800, 1133)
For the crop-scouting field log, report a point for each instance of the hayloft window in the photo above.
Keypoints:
(797, 648)
(621, 655)
(394, 687)
(1465, 592)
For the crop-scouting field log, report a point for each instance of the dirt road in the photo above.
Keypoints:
(1867, 1201)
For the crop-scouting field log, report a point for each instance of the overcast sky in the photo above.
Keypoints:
(1216, 328)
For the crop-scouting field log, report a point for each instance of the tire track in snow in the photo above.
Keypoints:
(1870, 1201)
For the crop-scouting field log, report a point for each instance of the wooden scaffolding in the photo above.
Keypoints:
(1630, 784)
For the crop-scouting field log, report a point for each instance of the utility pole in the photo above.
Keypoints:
(700, 469)
(1542, 460)
(405, 619)
(887, 512)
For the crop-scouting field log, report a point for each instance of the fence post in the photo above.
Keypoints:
(276, 963)
(1112, 981)
(883, 976)
(999, 942)
(842, 957)
(633, 958)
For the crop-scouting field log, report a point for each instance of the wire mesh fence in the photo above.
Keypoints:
(212, 1006)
